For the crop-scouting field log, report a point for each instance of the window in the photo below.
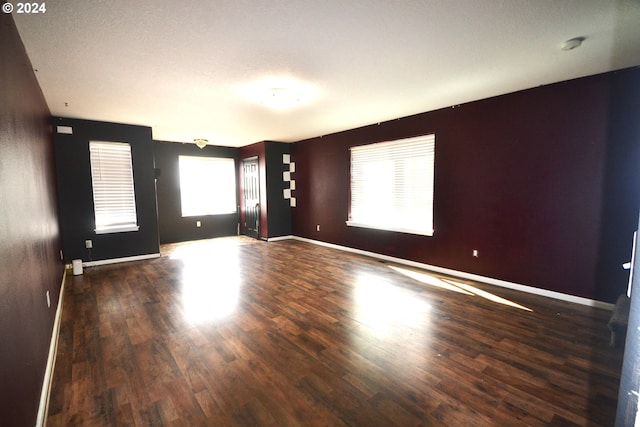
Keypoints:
(207, 185)
(114, 198)
(392, 185)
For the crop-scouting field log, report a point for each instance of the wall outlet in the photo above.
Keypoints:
(88, 244)
(198, 223)
(317, 227)
(475, 253)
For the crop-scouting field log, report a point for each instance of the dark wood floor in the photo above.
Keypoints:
(235, 331)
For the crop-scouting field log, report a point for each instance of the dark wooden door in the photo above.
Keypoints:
(251, 197)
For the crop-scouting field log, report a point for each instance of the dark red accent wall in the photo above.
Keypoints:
(532, 180)
(29, 238)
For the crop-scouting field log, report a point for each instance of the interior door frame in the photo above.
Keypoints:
(243, 199)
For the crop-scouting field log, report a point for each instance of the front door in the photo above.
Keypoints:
(251, 197)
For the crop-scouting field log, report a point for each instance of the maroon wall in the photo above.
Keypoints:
(29, 238)
(523, 178)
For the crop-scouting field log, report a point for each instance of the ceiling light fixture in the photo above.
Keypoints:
(572, 43)
(200, 142)
(279, 93)
(281, 98)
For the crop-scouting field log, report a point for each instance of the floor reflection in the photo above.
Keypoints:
(211, 281)
(383, 306)
(456, 286)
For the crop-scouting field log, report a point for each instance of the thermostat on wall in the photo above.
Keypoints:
(68, 130)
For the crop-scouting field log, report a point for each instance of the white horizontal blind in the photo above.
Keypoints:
(392, 185)
(207, 185)
(113, 191)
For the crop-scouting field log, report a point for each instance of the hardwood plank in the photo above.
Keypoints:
(236, 331)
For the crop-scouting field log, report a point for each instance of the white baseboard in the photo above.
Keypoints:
(117, 260)
(43, 408)
(470, 276)
(276, 239)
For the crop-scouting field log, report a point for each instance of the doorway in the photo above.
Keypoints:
(251, 197)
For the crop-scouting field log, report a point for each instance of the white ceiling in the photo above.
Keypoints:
(182, 67)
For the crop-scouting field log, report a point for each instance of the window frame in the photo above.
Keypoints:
(376, 151)
(208, 159)
(102, 189)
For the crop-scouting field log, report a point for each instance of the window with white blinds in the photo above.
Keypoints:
(392, 185)
(207, 185)
(113, 191)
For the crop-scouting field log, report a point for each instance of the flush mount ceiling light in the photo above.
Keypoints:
(572, 43)
(279, 93)
(280, 98)
(200, 142)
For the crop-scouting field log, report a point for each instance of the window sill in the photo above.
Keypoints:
(395, 229)
(191, 215)
(117, 229)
